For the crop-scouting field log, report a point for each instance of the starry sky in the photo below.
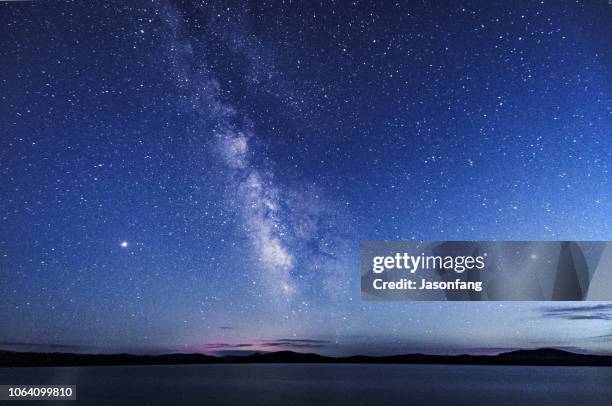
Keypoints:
(198, 176)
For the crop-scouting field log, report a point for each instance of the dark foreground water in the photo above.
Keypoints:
(325, 384)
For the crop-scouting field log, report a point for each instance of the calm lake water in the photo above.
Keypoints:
(336, 385)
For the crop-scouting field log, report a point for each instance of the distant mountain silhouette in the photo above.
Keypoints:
(284, 357)
(522, 357)
(10, 358)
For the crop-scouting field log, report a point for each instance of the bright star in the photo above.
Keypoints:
(124, 244)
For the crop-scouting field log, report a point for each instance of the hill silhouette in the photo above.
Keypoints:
(545, 356)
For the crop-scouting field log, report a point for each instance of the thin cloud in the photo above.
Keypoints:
(214, 346)
(302, 340)
(296, 343)
(587, 312)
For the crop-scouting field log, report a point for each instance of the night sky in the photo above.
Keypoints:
(198, 177)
